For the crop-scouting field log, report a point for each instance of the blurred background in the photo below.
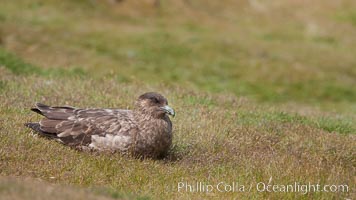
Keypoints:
(291, 51)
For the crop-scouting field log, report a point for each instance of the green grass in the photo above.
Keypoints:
(282, 59)
(18, 66)
(217, 138)
(343, 125)
(260, 90)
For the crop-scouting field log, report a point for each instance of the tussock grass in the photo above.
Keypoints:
(263, 93)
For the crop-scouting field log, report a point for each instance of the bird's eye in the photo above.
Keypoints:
(155, 100)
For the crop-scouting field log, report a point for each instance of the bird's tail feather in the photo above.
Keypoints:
(33, 126)
(36, 127)
(60, 112)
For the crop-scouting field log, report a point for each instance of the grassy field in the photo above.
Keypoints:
(264, 92)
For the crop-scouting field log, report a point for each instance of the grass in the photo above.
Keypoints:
(18, 66)
(263, 92)
(212, 143)
(15, 188)
(244, 55)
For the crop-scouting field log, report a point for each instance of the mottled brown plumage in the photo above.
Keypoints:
(145, 131)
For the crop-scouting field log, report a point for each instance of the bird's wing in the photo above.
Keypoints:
(76, 126)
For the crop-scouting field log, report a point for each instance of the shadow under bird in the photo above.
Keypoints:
(145, 131)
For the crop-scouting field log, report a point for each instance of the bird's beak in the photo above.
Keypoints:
(169, 110)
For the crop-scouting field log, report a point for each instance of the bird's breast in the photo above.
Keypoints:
(154, 137)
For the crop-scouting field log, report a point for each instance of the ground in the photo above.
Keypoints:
(264, 92)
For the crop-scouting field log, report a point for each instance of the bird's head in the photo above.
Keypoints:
(153, 104)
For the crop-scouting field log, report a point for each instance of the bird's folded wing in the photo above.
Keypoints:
(68, 121)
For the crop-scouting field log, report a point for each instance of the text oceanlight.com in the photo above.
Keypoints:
(303, 188)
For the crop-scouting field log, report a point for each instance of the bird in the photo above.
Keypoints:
(145, 131)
